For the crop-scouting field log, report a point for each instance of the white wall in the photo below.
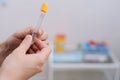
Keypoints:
(86, 19)
(81, 20)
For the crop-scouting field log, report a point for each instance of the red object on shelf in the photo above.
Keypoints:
(92, 42)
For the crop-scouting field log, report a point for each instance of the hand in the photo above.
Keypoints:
(15, 39)
(21, 66)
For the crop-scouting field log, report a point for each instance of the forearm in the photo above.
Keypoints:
(3, 51)
(2, 46)
(6, 75)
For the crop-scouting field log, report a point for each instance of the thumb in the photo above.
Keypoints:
(25, 44)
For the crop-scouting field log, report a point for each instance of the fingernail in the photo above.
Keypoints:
(29, 37)
(40, 31)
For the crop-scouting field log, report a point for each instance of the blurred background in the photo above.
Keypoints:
(81, 32)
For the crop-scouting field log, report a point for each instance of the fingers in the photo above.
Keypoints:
(46, 42)
(29, 30)
(42, 35)
(40, 32)
(34, 48)
(39, 44)
(25, 44)
(22, 33)
(30, 51)
(44, 53)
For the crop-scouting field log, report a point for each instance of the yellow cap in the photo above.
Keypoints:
(44, 7)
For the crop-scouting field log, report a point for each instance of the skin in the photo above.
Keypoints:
(7, 46)
(21, 57)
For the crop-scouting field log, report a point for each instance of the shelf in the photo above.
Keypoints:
(80, 65)
(68, 66)
(76, 66)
